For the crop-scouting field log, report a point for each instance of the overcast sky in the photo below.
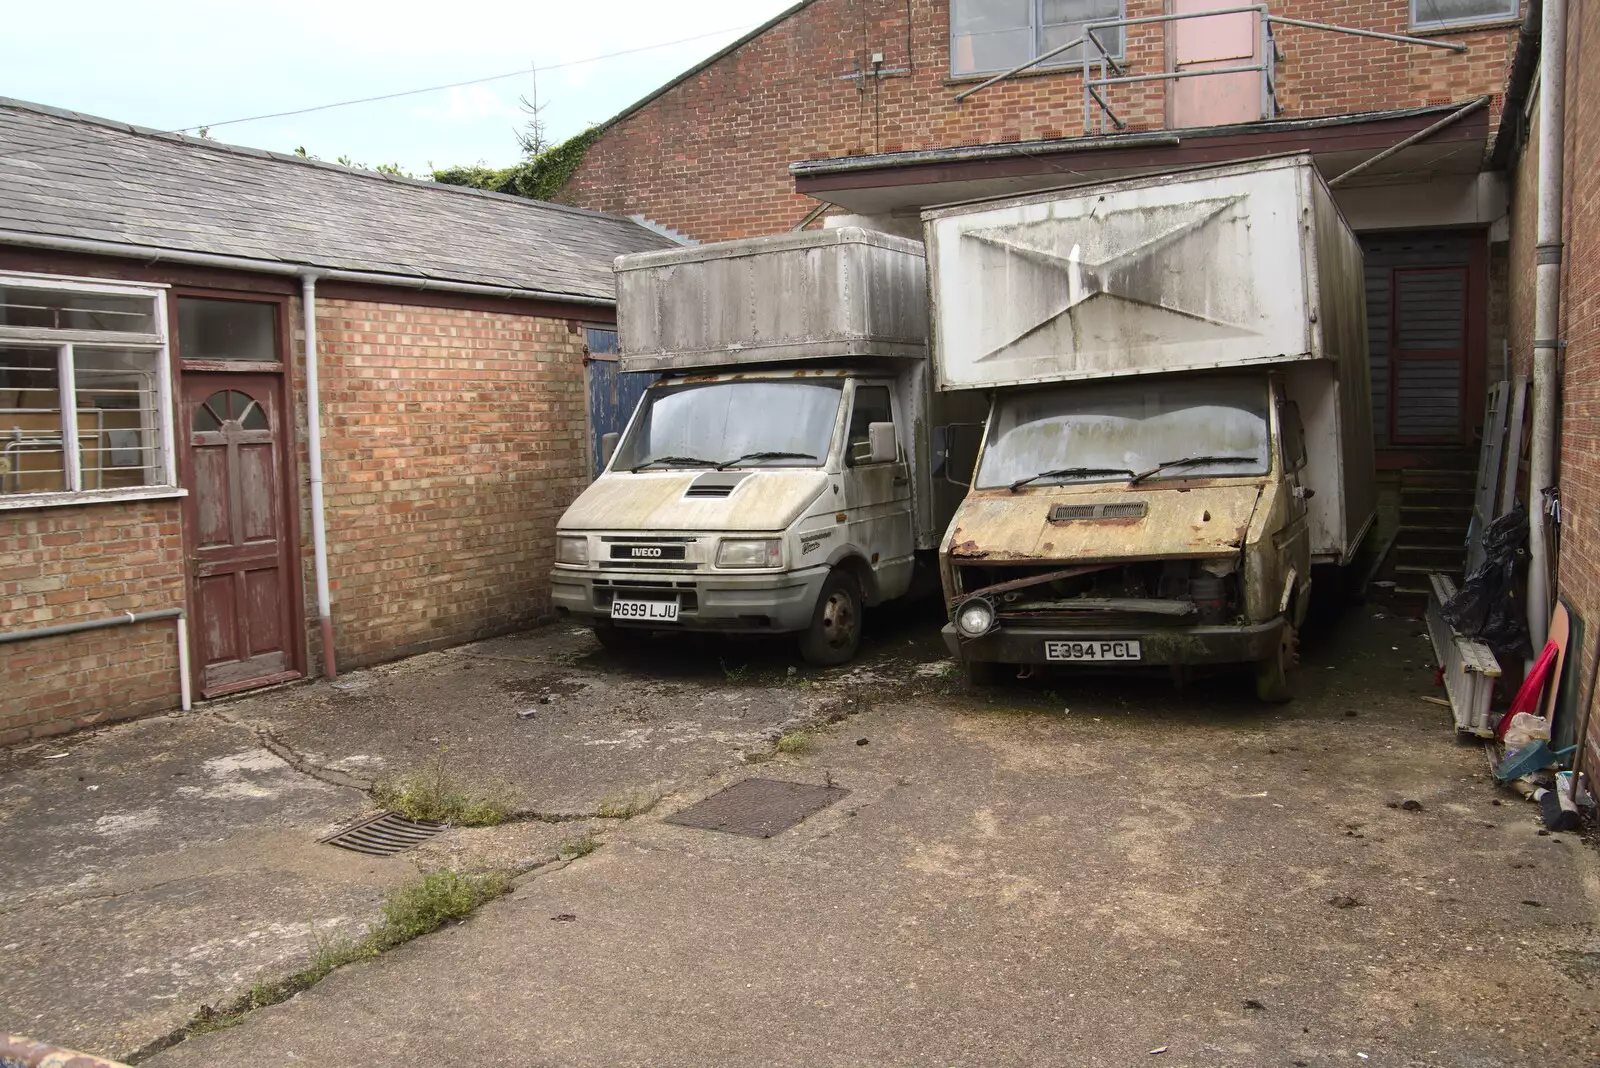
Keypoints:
(180, 63)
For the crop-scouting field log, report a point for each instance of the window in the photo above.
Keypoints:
(232, 330)
(83, 388)
(871, 406)
(987, 36)
(1432, 14)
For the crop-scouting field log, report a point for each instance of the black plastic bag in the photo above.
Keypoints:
(1486, 606)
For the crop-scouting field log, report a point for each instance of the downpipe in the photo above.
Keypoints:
(319, 518)
(1547, 309)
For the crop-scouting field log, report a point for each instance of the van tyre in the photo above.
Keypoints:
(1273, 673)
(620, 639)
(835, 631)
(983, 672)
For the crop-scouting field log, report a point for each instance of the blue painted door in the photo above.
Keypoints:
(612, 394)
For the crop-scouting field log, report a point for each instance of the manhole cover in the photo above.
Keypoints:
(384, 835)
(758, 808)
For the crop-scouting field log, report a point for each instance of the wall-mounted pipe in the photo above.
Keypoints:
(319, 518)
(1547, 309)
(126, 619)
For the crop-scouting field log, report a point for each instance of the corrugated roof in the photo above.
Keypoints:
(69, 175)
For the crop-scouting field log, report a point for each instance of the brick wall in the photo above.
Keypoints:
(60, 565)
(710, 156)
(1579, 472)
(452, 442)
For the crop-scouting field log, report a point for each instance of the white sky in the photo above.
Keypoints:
(178, 63)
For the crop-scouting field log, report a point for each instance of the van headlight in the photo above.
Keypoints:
(572, 550)
(767, 552)
(974, 618)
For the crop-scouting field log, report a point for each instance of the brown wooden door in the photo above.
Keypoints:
(240, 552)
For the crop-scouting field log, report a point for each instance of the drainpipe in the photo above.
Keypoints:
(319, 520)
(1547, 308)
(126, 619)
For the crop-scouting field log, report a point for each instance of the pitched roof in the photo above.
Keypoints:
(69, 175)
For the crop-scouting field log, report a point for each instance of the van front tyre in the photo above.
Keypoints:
(1273, 672)
(835, 631)
(983, 672)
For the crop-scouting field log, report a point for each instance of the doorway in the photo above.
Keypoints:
(240, 544)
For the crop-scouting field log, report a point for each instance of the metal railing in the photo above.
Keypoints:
(1100, 69)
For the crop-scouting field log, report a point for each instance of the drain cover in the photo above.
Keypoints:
(758, 808)
(384, 835)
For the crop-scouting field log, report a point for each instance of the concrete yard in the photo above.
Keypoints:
(1062, 870)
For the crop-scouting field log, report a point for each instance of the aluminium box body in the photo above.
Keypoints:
(810, 295)
(1243, 265)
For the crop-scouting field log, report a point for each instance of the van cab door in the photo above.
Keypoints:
(877, 496)
(1294, 538)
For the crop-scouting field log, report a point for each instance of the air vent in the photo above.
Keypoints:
(1066, 513)
(716, 484)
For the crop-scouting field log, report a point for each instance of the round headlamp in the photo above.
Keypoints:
(974, 618)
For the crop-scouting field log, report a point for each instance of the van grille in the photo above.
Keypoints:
(1065, 513)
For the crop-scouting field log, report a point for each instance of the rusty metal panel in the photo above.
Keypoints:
(815, 294)
(1201, 269)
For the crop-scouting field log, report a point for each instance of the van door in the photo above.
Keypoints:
(877, 497)
(1294, 539)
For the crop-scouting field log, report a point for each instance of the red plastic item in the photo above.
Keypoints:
(1527, 699)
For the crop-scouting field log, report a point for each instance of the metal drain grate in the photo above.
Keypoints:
(758, 808)
(384, 835)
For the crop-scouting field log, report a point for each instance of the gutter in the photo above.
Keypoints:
(1513, 133)
(148, 254)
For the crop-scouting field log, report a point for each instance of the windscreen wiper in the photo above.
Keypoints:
(765, 456)
(1069, 472)
(1192, 461)
(688, 461)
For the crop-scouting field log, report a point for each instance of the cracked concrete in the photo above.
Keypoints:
(1068, 870)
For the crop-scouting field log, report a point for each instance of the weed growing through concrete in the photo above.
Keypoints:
(797, 742)
(414, 909)
(733, 674)
(625, 806)
(573, 848)
(436, 795)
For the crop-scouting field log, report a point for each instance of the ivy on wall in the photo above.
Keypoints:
(539, 177)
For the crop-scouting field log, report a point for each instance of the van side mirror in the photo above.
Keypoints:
(608, 447)
(955, 450)
(881, 447)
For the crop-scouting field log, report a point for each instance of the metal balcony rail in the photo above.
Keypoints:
(1101, 69)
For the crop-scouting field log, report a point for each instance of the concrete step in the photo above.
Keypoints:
(1426, 569)
(1450, 534)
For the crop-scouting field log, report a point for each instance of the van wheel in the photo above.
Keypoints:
(983, 672)
(1272, 674)
(620, 639)
(835, 631)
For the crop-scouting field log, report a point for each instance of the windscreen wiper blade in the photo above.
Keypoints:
(1192, 461)
(765, 456)
(1069, 472)
(688, 461)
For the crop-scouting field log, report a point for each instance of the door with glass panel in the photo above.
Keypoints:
(241, 546)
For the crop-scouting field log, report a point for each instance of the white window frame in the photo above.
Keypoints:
(1071, 59)
(1420, 20)
(65, 343)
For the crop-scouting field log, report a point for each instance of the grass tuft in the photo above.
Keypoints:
(414, 909)
(797, 742)
(626, 805)
(435, 795)
(573, 848)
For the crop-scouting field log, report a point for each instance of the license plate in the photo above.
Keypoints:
(1094, 651)
(644, 611)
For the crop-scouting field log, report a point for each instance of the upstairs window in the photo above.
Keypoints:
(1438, 14)
(83, 388)
(989, 36)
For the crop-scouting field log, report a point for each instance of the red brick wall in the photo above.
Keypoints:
(452, 442)
(60, 565)
(710, 156)
(1579, 473)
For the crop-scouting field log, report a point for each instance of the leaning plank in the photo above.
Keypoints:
(1469, 666)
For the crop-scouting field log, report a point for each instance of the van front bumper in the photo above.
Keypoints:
(767, 603)
(1157, 645)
